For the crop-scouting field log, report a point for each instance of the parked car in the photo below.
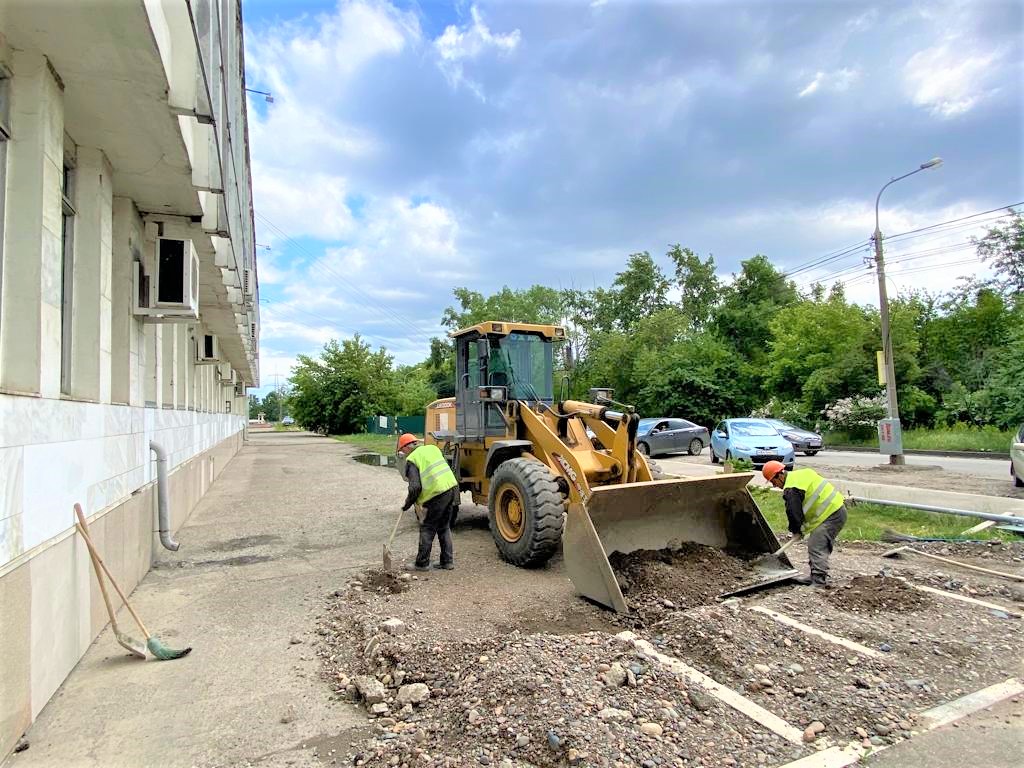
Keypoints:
(287, 421)
(802, 439)
(655, 436)
(753, 439)
(1017, 458)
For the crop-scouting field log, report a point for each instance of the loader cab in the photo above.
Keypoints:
(511, 361)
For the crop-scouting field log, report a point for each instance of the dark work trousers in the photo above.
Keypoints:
(821, 542)
(438, 516)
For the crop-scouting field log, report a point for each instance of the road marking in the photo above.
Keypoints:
(929, 720)
(944, 714)
(737, 701)
(790, 622)
(964, 599)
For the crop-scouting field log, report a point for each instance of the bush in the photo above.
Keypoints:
(791, 411)
(857, 416)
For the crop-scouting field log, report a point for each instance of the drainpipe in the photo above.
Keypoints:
(163, 505)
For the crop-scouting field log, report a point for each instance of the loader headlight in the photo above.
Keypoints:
(492, 394)
(600, 394)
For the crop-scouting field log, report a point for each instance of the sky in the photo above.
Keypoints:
(412, 147)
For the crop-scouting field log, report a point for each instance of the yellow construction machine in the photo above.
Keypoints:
(557, 471)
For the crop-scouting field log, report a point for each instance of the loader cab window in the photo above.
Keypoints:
(523, 361)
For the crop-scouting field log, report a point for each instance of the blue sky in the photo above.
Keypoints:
(414, 147)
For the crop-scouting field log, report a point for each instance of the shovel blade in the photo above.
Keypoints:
(135, 647)
(386, 557)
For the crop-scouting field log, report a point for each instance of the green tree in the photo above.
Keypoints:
(348, 384)
(1003, 249)
(698, 283)
(641, 289)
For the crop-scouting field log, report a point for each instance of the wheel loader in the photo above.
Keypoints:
(554, 471)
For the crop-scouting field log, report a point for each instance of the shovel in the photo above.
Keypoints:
(387, 547)
(129, 643)
(764, 560)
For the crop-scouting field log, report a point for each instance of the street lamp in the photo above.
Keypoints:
(890, 428)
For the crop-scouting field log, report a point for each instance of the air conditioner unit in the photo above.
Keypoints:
(226, 374)
(240, 389)
(207, 349)
(171, 294)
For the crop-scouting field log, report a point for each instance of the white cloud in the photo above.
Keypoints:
(457, 45)
(950, 79)
(837, 80)
(302, 202)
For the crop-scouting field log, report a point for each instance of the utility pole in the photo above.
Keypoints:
(896, 457)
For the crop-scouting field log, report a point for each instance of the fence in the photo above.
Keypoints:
(392, 425)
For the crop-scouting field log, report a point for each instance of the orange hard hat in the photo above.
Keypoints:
(771, 469)
(405, 439)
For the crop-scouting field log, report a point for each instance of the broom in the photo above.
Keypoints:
(129, 643)
(157, 648)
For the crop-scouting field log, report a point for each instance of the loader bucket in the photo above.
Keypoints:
(715, 511)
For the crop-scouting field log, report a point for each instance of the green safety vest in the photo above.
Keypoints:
(821, 499)
(435, 474)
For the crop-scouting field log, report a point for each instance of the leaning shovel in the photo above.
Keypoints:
(129, 643)
(387, 547)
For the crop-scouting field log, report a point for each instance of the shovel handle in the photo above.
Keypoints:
(99, 575)
(96, 556)
(787, 545)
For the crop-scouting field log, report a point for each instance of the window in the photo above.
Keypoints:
(67, 244)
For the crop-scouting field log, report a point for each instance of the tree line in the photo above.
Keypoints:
(683, 342)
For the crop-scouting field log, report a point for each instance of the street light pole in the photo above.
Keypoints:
(883, 306)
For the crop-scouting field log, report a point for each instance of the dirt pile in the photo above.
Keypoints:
(683, 577)
(382, 582)
(872, 594)
(543, 700)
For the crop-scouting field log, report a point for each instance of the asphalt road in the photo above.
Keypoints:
(998, 469)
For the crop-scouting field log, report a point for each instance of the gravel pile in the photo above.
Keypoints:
(679, 578)
(871, 594)
(539, 700)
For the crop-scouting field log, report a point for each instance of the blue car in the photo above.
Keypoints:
(753, 439)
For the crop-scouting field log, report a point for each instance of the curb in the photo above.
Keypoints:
(920, 452)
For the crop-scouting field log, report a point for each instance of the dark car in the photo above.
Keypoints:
(655, 436)
(802, 439)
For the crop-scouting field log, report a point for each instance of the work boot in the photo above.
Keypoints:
(415, 567)
(821, 584)
(804, 581)
(444, 566)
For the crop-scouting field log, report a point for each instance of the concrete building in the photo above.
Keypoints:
(128, 302)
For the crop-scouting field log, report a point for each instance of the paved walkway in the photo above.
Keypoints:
(278, 531)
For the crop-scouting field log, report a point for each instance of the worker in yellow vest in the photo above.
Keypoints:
(433, 486)
(815, 509)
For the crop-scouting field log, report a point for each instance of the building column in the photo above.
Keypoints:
(90, 326)
(30, 328)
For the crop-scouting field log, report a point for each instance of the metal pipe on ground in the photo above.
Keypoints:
(162, 500)
(1010, 519)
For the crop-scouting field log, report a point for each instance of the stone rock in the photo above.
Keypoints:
(817, 726)
(630, 678)
(370, 689)
(882, 729)
(522, 740)
(611, 713)
(796, 669)
(603, 667)
(394, 626)
(379, 709)
(574, 757)
(414, 693)
(862, 733)
(763, 669)
(295, 640)
(700, 701)
(474, 716)
(289, 715)
(615, 676)
(885, 648)
(651, 729)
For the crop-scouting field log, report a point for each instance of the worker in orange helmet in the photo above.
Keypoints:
(815, 509)
(433, 486)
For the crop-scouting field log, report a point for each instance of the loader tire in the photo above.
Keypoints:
(526, 511)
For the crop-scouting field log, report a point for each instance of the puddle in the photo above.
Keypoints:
(377, 459)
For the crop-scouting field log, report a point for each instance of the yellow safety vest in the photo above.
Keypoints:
(821, 499)
(436, 476)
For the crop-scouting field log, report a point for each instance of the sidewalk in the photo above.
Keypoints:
(276, 533)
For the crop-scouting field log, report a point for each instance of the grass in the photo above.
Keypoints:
(279, 427)
(372, 443)
(960, 438)
(866, 522)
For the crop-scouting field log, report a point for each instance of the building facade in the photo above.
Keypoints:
(128, 303)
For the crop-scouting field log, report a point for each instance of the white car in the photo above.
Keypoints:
(1017, 458)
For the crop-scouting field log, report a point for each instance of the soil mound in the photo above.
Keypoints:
(874, 594)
